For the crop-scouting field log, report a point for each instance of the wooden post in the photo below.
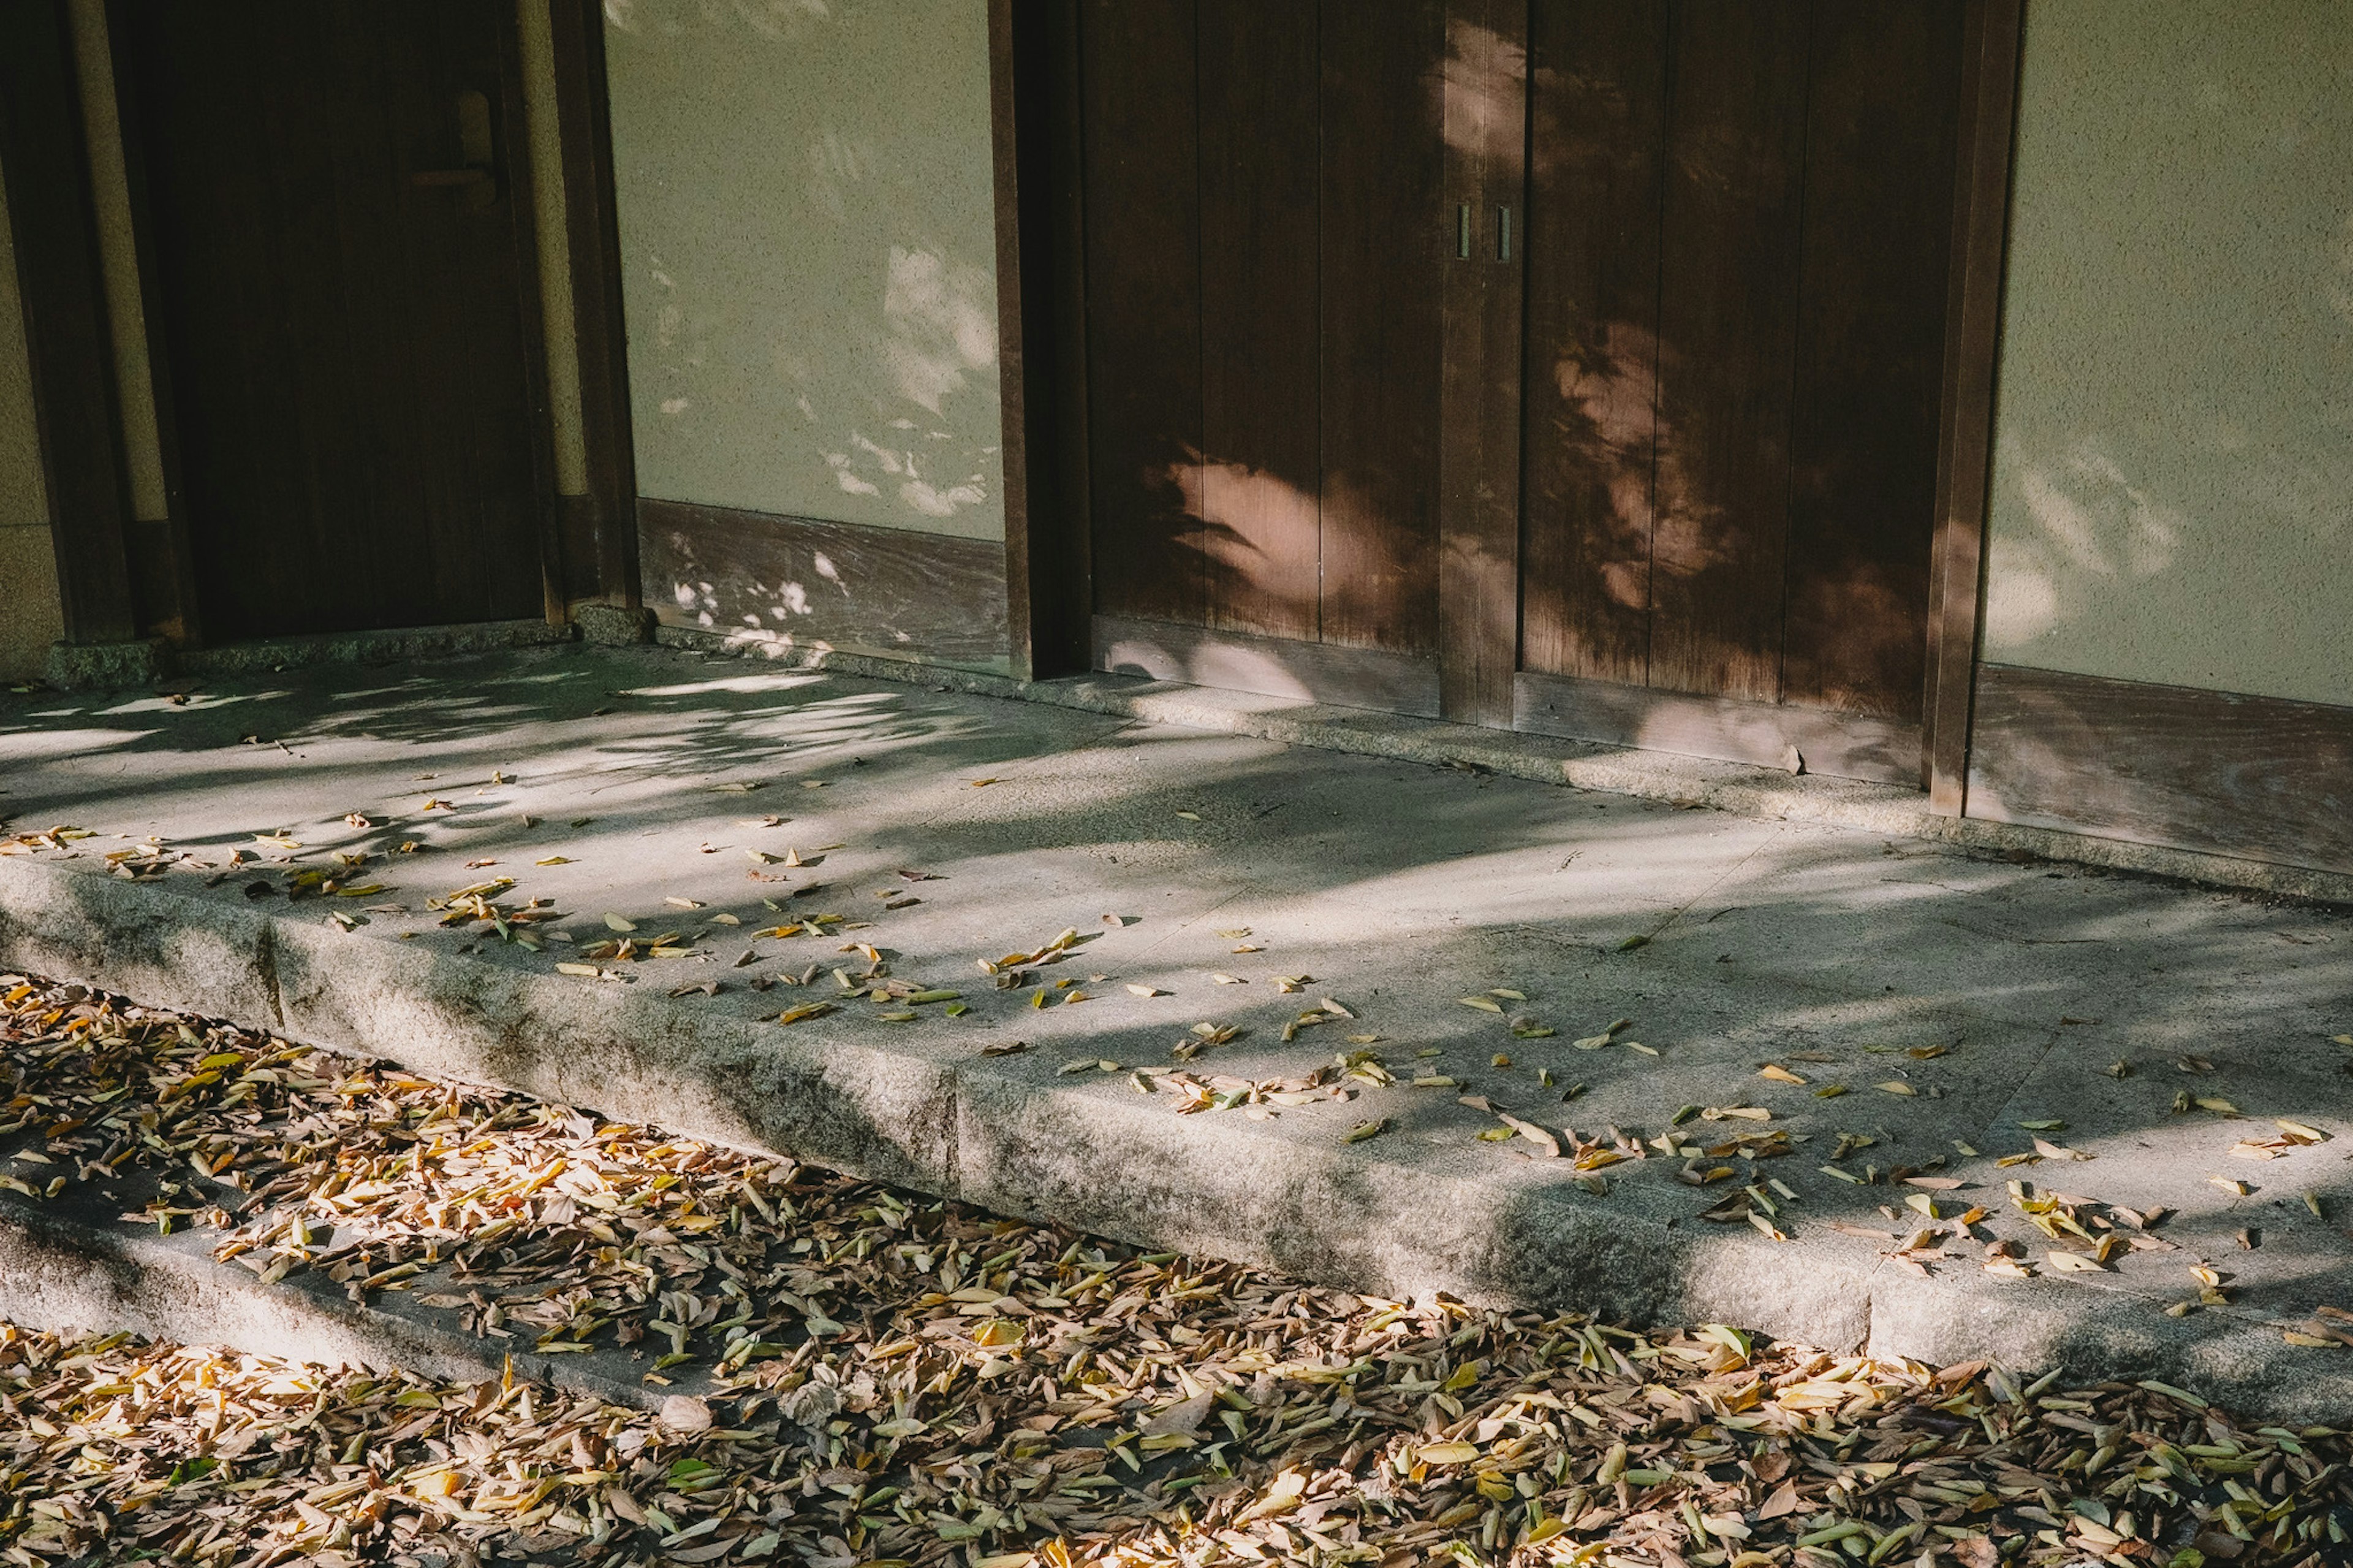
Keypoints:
(1478, 421)
(1973, 345)
(43, 160)
(585, 126)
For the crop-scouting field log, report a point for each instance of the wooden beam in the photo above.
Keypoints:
(802, 583)
(585, 126)
(46, 168)
(522, 226)
(1034, 122)
(1485, 110)
(2259, 777)
(1973, 345)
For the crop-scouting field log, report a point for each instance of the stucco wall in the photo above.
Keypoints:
(29, 618)
(2173, 484)
(806, 220)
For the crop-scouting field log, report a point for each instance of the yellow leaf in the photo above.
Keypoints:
(575, 969)
(1485, 1003)
(997, 1332)
(1895, 1086)
(615, 923)
(2073, 1263)
(1456, 1453)
(553, 860)
(1778, 1074)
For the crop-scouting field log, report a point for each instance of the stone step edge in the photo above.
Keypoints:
(970, 1129)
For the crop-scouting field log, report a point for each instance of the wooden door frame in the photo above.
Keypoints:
(1981, 201)
(584, 114)
(62, 289)
(513, 149)
(1035, 146)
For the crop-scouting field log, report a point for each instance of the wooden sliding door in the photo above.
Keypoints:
(1739, 231)
(1263, 345)
(1570, 364)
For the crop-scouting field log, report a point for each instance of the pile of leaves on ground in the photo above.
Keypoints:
(883, 1379)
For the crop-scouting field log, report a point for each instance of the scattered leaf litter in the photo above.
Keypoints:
(887, 1379)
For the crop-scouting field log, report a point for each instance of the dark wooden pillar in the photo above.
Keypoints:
(585, 126)
(46, 168)
(1972, 347)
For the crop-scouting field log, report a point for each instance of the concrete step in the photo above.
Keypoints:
(1014, 1134)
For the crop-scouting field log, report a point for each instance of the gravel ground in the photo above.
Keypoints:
(888, 1379)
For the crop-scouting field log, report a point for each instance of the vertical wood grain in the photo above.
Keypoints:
(1973, 342)
(1143, 306)
(1479, 454)
(1262, 473)
(592, 232)
(1736, 153)
(1597, 103)
(1886, 83)
(71, 360)
(1386, 229)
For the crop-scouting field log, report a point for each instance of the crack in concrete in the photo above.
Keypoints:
(265, 961)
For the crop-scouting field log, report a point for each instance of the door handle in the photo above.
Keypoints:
(477, 178)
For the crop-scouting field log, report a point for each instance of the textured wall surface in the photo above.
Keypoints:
(30, 618)
(809, 255)
(2173, 486)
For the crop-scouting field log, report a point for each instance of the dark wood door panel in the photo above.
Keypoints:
(1727, 326)
(1597, 99)
(1739, 239)
(1261, 463)
(1143, 306)
(348, 356)
(1880, 162)
(1384, 240)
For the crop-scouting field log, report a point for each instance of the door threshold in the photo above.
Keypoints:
(1895, 811)
(266, 654)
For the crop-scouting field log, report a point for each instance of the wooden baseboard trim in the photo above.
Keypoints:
(1272, 667)
(1839, 745)
(802, 582)
(2259, 777)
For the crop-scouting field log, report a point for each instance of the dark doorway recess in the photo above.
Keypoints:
(1577, 365)
(333, 205)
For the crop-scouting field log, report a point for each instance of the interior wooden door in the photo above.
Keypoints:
(340, 263)
(1263, 244)
(1738, 238)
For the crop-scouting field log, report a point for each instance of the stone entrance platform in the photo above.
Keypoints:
(1438, 923)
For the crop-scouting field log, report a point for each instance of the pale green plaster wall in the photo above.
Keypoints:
(805, 197)
(2173, 483)
(30, 619)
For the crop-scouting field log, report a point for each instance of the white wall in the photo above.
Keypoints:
(2173, 484)
(808, 235)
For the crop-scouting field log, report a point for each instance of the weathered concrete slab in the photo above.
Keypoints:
(1400, 887)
